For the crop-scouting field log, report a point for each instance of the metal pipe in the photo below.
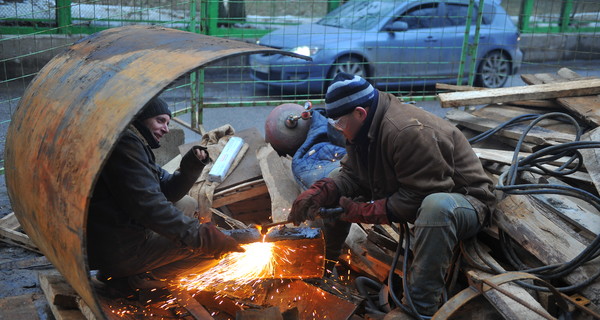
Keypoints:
(71, 116)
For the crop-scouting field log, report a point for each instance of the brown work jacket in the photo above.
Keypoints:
(412, 154)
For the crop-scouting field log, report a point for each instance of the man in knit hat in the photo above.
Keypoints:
(403, 164)
(141, 224)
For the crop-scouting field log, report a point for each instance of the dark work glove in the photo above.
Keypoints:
(191, 163)
(322, 193)
(365, 212)
(215, 243)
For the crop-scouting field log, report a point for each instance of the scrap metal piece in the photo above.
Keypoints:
(71, 116)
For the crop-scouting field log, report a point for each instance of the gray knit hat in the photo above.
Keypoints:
(153, 108)
(347, 92)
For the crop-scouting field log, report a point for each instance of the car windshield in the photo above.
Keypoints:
(358, 15)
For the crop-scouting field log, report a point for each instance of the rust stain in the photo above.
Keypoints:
(70, 117)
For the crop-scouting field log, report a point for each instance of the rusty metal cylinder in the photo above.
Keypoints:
(72, 114)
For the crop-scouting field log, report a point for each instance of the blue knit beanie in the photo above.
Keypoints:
(347, 92)
(154, 107)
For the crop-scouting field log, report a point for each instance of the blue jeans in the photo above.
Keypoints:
(442, 221)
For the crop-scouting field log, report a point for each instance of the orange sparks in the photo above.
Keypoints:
(236, 269)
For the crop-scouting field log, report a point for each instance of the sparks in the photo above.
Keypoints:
(236, 269)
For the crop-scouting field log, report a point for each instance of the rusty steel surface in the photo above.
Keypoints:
(70, 117)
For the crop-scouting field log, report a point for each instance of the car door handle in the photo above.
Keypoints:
(431, 39)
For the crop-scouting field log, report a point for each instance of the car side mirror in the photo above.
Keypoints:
(397, 26)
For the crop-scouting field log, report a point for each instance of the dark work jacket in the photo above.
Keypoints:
(134, 197)
(411, 154)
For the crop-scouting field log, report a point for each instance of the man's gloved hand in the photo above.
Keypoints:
(365, 212)
(215, 243)
(322, 193)
(195, 159)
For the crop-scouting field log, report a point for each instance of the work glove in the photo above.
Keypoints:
(190, 162)
(364, 212)
(322, 193)
(215, 243)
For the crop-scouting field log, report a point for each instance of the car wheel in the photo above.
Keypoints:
(493, 70)
(349, 65)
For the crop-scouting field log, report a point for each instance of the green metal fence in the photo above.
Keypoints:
(552, 33)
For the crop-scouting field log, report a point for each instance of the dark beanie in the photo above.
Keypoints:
(347, 92)
(154, 107)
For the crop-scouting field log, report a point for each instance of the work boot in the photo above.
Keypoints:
(114, 287)
(145, 281)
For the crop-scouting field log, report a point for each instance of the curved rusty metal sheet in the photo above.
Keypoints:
(70, 117)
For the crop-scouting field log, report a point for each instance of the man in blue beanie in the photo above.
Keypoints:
(403, 164)
(142, 227)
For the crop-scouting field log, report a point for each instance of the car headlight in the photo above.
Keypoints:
(305, 50)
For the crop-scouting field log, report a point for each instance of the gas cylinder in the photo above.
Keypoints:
(286, 128)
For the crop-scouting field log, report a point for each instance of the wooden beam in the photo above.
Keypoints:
(537, 135)
(537, 91)
(520, 219)
(591, 157)
(61, 297)
(9, 234)
(238, 193)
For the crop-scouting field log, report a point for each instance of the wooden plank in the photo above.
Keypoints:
(17, 238)
(18, 307)
(190, 304)
(519, 217)
(591, 157)
(10, 222)
(277, 173)
(53, 286)
(537, 135)
(453, 87)
(356, 241)
(240, 192)
(545, 104)
(536, 91)
(587, 108)
(505, 156)
(504, 304)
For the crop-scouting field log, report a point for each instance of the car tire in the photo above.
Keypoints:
(349, 65)
(493, 70)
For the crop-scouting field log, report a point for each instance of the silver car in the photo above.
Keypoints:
(393, 44)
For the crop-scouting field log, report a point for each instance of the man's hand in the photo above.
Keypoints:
(195, 159)
(374, 212)
(215, 243)
(323, 193)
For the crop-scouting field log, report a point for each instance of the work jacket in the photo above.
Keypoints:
(411, 154)
(134, 197)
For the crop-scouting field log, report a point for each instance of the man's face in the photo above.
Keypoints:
(349, 124)
(158, 125)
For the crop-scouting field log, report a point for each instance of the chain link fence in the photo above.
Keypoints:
(403, 47)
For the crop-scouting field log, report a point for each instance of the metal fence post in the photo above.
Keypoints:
(475, 45)
(525, 15)
(196, 77)
(332, 4)
(465, 45)
(565, 15)
(63, 16)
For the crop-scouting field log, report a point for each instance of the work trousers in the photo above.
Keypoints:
(163, 258)
(442, 221)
